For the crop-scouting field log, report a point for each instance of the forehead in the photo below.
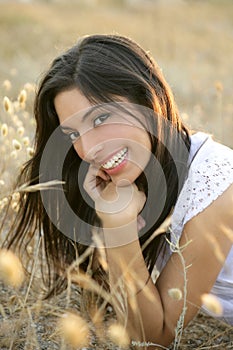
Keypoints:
(70, 102)
(73, 108)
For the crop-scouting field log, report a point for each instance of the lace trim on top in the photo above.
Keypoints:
(210, 174)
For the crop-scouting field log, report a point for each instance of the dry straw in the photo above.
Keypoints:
(4, 202)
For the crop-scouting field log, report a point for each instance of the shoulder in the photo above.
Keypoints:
(219, 211)
(207, 156)
(200, 253)
(211, 230)
(210, 174)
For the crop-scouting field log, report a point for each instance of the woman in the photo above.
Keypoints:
(108, 127)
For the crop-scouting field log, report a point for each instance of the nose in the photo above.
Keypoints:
(88, 148)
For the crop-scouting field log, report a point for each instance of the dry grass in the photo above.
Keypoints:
(34, 326)
(192, 41)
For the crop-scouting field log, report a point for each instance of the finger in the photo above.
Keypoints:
(115, 199)
(141, 201)
(140, 222)
(95, 181)
(103, 175)
(89, 184)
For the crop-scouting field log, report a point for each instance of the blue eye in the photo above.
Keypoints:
(99, 120)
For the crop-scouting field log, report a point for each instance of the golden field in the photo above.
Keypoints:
(191, 40)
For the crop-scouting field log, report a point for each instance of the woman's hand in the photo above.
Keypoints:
(116, 205)
(95, 182)
(119, 205)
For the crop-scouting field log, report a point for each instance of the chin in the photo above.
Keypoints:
(124, 180)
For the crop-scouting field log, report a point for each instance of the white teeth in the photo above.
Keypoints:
(108, 165)
(115, 160)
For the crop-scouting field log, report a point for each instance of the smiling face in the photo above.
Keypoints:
(104, 135)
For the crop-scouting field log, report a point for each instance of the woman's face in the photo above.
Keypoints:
(104, 135)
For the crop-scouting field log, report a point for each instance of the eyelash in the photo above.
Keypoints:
(102, 118)
(73, 133)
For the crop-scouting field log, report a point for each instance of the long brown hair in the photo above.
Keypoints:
(101, 66)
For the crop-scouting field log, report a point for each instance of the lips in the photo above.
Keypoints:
(116, 160)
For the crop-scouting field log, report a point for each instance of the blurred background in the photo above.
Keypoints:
(191, 40)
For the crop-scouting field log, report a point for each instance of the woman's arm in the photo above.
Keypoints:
(155, 318)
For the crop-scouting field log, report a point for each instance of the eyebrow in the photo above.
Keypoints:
(84, 117)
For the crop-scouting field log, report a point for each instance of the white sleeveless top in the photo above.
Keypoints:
(210, 174)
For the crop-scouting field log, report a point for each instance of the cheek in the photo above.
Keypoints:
(78, 149)
(142, 142)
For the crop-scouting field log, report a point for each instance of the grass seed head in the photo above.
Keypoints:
(7, 105)
(6, 84)
(16, 196)
(218, 86)
(29, 87)
(11, 270)
(26, 141)
(30, 152)
(15, 118)
(29, 249)
(20, 131)
(212, 303)
(4, 130)
(17, 145)
(175, 293)
(14, 154)
(118, 335)
(22, 97)
(74, 330)
(15, 207)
